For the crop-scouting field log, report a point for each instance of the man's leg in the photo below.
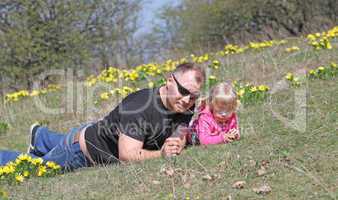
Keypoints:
(46, 140)
(7, 156)
(67, 153)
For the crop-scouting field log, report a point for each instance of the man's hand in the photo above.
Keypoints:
(172, 146)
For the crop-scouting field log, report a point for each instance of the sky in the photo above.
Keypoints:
(148, 13)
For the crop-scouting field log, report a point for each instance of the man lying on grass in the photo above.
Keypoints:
(138, 128)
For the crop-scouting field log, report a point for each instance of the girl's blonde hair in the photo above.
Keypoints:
(223, 92)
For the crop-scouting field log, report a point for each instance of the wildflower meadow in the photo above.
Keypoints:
(289, 141)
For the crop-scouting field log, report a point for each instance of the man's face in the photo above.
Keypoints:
(183, 90)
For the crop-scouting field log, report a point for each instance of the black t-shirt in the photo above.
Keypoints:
(142, 116)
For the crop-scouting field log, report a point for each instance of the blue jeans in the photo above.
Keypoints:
(53, 146)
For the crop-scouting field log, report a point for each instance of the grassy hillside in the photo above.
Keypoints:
(296, 163)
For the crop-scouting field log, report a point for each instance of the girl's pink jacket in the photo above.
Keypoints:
(208, 131)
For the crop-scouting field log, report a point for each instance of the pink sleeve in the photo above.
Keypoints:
(234, 124)
(204, 128)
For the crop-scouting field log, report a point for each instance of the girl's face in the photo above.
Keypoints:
(221, 110)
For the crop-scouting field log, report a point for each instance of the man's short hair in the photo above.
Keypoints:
(185, 67)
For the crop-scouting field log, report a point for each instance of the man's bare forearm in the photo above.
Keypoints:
(141, 154)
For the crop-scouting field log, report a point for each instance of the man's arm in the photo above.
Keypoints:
(131, 149)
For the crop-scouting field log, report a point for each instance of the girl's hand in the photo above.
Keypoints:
(231, 135)
(228, 137)
(234, 132)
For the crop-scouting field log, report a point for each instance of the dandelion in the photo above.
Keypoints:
(241, 92)
(90, 82)
(51, 164)
(321, 68)
(41, 171)
(292, 49)
(311, 37)
(215, 64)
(8, 169)
(37, 161)
(289, 76)
(296, 82)
(133, 75)
(212, 77)
(104, 96)
(26, 173)
(17, 161)
(231, 49)
(263, 88)
(312, 72)
(253, 89)
(151, 84)
(34, 93)
(24, 157)
(56, 167)
(328, 45)
(19, 178)
(234, 83)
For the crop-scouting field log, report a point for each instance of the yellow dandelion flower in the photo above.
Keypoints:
(253, 89)
(8, 169)
(312, 72)
(241, 92)
(292, 49)
(109, 79)
(91, 82)
(133, 75)
(263, 88)
(215, 64)
(24, 157)
(34, 93)
(289, 76)
(41, 171)
(104, 96)
(37, 161)
(19, 178)
(234, 83)
(151, 84)
(321, 68)
(311, 37)
(17, 161)
(328, 45)
(26, 173)
(57, 167)
(212, 77)
(43, 91)
(50, 164)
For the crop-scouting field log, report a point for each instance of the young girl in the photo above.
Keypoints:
(216, 121)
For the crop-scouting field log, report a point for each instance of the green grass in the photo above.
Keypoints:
(299, 164)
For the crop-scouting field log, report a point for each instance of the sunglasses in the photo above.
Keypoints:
(184, 91)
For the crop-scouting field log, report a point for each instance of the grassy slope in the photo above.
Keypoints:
(300, 165)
